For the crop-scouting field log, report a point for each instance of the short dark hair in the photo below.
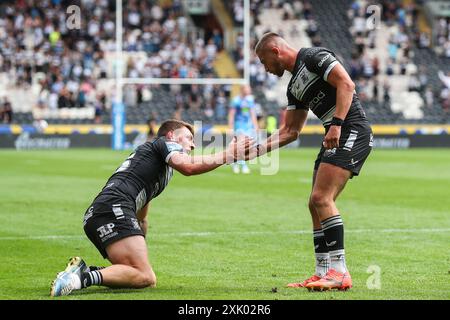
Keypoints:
(173, 124)
(266, 37)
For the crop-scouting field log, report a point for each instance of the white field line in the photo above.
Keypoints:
(213, 233)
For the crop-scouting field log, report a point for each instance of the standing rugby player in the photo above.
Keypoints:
(320, 83)
(242, 120)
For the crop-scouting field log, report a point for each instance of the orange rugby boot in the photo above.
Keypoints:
(304, 283)
(332, 280)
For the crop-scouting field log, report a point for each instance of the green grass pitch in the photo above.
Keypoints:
(226, 236)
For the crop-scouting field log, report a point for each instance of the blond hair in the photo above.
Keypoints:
(265, 40)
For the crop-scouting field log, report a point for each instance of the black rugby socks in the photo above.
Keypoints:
(333, 229)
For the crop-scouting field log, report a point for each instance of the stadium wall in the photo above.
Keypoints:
(401, 129)
(66, 136)
(28, 141)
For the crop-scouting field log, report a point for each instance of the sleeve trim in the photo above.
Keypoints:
(330, 67)
(171, 153)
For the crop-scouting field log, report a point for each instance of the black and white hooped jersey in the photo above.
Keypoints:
(308, 88)
(142, 176)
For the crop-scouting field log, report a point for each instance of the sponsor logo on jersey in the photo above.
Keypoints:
(135, 224)
(295, 89)
(117, 210)
(350, 141)
(106, 231)
(141, 199)
(313, 103)
(323, 60)
(304, 77)
(88, 215)
(329, 152)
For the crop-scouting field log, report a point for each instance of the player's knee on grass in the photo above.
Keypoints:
(146, 279)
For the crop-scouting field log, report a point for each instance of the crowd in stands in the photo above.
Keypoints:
(67, 64)
(443, 37)
(38, 47)
(36, 42)
(6, 112)
(297, 9)
(163, 36)
(365, 69)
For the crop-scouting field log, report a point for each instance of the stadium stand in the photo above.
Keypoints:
(63, 76)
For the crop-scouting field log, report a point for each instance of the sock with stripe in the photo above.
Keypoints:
(91, 278)
(94, 268)
(321, 253)
(333, 229)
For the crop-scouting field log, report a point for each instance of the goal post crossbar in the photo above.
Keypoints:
(121, 81)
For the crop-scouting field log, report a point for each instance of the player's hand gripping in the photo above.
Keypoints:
(331, 139)
(239, 148)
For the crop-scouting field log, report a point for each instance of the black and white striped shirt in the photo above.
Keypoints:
(142, 176)
(309, 89)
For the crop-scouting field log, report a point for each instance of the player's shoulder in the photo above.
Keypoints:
(152, 146)
(311, 52)
(157, 140)
(162, 141)
(163, 147)
(143, 149)
(319, 60)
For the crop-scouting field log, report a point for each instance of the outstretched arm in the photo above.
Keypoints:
(192, 165)
(289, 131)
(188, 165)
